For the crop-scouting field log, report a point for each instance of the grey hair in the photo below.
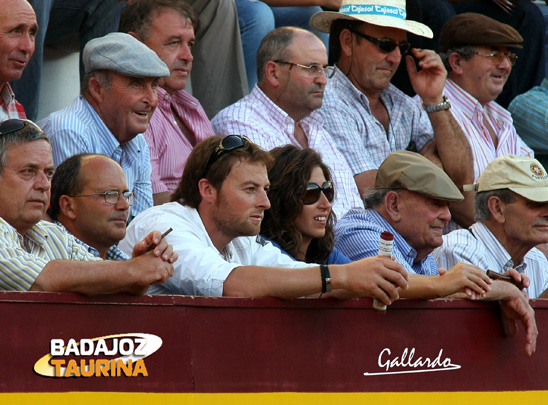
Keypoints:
(102, 76)
(481, 202)
(467, 52)
(29, 133)
(375, 197)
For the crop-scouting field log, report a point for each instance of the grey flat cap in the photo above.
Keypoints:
(123, 54)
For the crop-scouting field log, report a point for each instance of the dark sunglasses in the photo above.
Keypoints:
(386, 44)
(16, 124)
(227, 144)
(314, 191)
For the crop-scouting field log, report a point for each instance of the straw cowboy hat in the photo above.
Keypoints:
(385, 13)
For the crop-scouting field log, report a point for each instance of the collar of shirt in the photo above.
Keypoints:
(89, 248)
(544, 85)
(341, 83)
(7, 95)
(280, 117)
(35, 234)
(402, 245)
(471, 107)
(166, 100)
(109, 143)
(495, 249)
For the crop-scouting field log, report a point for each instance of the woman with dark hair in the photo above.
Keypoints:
(300, 220)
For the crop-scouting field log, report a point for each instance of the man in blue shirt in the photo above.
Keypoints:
(117, 100)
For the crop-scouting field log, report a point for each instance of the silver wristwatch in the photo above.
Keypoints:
(444, 105)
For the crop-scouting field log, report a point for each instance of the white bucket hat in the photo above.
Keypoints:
(385, 13)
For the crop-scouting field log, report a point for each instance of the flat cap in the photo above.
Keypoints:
(412, 171)
(123, 54)
(523, 175)
(477, 29)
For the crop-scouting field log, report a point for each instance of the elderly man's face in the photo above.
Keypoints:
(171, 36)
(370, 68)
(422, 221)
(126, 106)
(302, 89)
(18, 29)
(484, 76)
(526, 222)
(25, 184)
(91, 218)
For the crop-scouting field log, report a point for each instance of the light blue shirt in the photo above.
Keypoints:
(358, 233)
(78, 128)
(481, 248)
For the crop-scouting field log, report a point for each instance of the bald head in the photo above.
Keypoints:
(83, 208)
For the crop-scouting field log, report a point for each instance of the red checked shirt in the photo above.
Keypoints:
(168, 145)
(9, 106)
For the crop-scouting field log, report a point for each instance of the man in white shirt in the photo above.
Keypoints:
(511, 219)
(216, 216)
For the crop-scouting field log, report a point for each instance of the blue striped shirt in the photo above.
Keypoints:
(22, 257)
(481, 248)
(78, 128)
(358, 233)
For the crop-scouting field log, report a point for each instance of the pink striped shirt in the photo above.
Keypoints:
(169, 147)
(9, 106)
(469, 114)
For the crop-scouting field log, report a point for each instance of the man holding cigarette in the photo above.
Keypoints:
(38, 255)
(216, 213)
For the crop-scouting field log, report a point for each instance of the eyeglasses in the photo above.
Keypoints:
(112, 196)
(16, 124)
(312, 70)
(227, 144)
(386, 44)
(314, 191)
(498, 56)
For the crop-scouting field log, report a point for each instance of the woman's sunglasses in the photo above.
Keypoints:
(314, 191)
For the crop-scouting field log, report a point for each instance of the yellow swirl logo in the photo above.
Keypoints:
(94, 357)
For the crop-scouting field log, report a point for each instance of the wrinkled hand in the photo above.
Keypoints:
(520, 277)
(377, 277)
(517, 309)
(466, 278)
(429, 82)
(163, 249)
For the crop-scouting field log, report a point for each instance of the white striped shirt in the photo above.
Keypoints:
(78, 128)
(481, 248)
(23, 257)
(266, 124)
(168, 145)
